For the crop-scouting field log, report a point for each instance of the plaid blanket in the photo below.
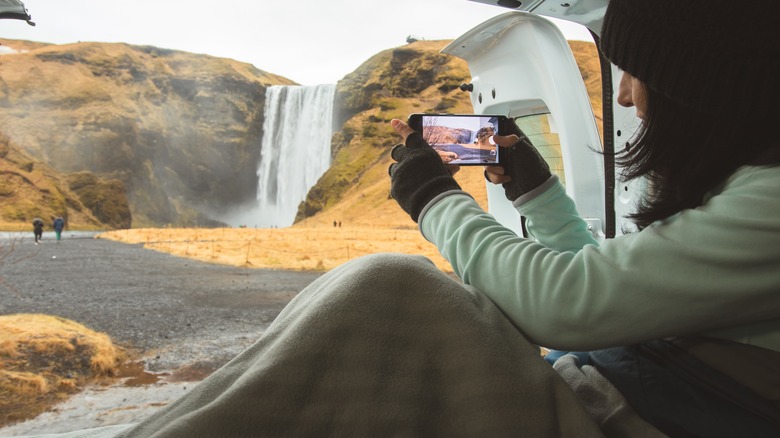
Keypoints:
(386, 345)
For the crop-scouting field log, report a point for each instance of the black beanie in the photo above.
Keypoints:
(715, 56)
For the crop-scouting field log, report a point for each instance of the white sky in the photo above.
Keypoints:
(308, 41)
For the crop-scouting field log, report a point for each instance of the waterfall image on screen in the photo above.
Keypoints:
(295, 151)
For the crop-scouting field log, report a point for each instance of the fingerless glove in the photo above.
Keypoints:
(525, 165)
(418, 175)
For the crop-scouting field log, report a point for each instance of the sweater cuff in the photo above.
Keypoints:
(552, 181)
(435, 200)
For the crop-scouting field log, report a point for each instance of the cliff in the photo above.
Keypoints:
(180, 131)
(30, 189)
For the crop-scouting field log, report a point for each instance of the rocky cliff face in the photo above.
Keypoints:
(180, 131)
(30, 189)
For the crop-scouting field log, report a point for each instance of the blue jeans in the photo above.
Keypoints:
(583, 357)
(664, 384)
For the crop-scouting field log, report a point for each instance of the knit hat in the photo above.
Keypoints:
(711, 55)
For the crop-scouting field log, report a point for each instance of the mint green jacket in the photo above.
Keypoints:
(712, 270)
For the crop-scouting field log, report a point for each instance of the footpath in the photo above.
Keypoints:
(181, 318)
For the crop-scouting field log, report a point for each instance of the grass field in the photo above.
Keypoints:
(317, 248)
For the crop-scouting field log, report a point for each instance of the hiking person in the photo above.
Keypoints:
(37, 229)
(58, 225)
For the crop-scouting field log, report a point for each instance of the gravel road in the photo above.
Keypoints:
(183, 318)
(175, 311)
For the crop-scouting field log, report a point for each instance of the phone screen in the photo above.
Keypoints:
(463, 139)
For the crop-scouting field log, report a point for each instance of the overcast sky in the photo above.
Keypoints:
(309, 41)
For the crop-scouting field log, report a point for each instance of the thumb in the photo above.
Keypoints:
(506, 140)
(401, 128)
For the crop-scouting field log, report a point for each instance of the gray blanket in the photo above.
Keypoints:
(386, 345)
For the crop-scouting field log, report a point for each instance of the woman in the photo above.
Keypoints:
(690, 302)
(389, 345)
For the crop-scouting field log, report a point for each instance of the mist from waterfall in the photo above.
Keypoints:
(295, 152)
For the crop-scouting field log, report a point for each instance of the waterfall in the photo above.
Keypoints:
(294, 152)
(295, 149)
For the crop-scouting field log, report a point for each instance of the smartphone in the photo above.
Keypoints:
(463, 139)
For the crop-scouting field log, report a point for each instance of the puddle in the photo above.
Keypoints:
(193, 372)
(135, 374)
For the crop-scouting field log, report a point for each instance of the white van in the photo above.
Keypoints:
(523, 67)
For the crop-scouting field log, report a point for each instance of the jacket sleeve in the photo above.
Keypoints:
(707, 268)
(552, 218)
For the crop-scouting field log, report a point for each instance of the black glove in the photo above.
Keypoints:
(525, 165)
(418, 176)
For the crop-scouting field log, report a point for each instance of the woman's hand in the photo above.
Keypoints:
(405, 130)
(522, 169)
(497, 174)
(418, 175)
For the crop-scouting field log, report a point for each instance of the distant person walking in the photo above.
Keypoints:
(58, 224)
(38, 229)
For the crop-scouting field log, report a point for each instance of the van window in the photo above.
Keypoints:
(541, 131)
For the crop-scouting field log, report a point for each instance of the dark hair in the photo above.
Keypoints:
(685, 153)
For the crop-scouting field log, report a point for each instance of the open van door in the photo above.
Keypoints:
(14, 9)
(522, 67)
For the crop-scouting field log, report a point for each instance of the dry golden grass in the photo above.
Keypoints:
(43, 359)
(15, 226)
(371, 222)
(315, 248)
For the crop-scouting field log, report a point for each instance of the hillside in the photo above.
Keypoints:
(394, 84)
(179, 130)
(30, 189)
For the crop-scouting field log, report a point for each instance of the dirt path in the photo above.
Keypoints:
(184, 318)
